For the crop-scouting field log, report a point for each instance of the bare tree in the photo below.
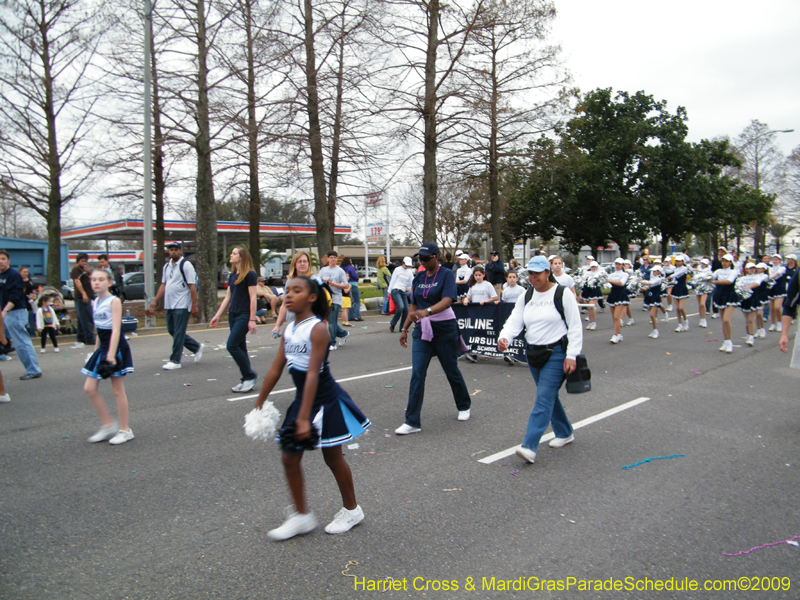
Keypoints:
(514, 87)
(47, 48)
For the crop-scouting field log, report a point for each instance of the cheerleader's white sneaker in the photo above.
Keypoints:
(345, 520)
(771, 327)
(121, 437)
(703, 323)
(729, 346)
(715, 316)
(680, 328)
(630, 322)
(103, 433)
(686, 325)
(591, 326)
(670, 308)
(295, 524)
(779, 327)
(724, 346)
(751, 340)
(654, 335)
(614, 339)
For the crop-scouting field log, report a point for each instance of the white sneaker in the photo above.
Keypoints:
(724, 346)
(345, 520)
(41, 351)
(4, 399)
(121, 437)
(686, 325)
(771, 327)
(526, 454)
(619, 338)
(779, 327)
(670, 308)
(405, 429)
(103, 433)
(463, 415)
(614, 339)
(762, 333)
(703, 323)
(55, 349)
(171, 366)
(591, 326)
(654, 334)
(295, 524)
(332, 347)
(729, 346)
(561, 442)
(680, 328)
(586, 318)
(199, 354)
(715, 316)
(247, 386)
(630, 322)
(751, 340)
(78, 345)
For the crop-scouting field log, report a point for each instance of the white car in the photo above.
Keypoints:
(370, 272)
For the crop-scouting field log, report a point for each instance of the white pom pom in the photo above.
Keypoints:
(262, 424)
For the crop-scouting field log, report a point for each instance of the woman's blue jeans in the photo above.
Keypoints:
(385, 305)
(237, 344)
(548, 408)
(401, 307)
(354, 312)
(445, 346)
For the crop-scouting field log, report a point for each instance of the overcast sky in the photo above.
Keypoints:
(725, 62)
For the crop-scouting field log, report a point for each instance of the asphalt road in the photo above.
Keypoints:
(182, 510)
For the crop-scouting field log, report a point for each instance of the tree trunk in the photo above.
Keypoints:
(321, 214)
(494, 177)
(333, 180)
(252, 137)
(664, 245)
(159, 184)
(429, 176)
(206, 207)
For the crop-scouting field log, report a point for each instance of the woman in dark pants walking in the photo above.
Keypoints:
(241, 298)
(436, 333)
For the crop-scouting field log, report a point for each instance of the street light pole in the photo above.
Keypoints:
(147, 238)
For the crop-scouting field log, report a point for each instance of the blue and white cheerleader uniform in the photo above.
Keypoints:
(619, 294)
(777, 274)
(104, 323)
(591, 293)
(725, 295)
(753, 303)
(679, 288)
(652, 293)
(334, 414)
(762, 291)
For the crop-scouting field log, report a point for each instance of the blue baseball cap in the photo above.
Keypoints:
(427, 250)
(538, 264)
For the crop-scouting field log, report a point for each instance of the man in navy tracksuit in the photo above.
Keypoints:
(15, 314)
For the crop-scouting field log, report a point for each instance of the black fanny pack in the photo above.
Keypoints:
(539, 355)
(580, 380)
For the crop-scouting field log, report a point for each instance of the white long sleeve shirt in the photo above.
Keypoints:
(402, 279)
(543, 325)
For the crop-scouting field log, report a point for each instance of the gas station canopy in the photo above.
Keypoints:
(133, 229)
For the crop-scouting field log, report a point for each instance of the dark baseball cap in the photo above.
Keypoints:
(174, 245)
(428, 249)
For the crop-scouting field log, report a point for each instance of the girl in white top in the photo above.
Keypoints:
(777, 293)
(512, 290)
(669, 269)
(557, 264)
(463, 275)
(725, 299)
(628, 268)
(652, 297)
(480, 290)
(618, 298)
(110, 346)
(701, 290)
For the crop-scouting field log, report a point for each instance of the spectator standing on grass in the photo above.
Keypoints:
(179, 290)
(81, 278)
(15, 315)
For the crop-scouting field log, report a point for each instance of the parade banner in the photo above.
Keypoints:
(480, 327)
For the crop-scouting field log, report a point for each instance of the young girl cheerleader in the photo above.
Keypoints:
(762, 299)
(618, 298)
(320, 404)
(591, 294)
(680, 292)
(112, 348)
(700, 282)
(776, 294)
(47, 322)
(669, 269)
(652, 297)
(725, 298)
(628, 268)
(463, 275)
(751, 305)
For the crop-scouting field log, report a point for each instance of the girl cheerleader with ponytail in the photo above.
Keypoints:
(777, 273)
(752, 304)
(680, 292)
(592, 294)
(652, 297)
(618, 297)
(725, 299)
(322, 414)
(762, 299)
(702, 287)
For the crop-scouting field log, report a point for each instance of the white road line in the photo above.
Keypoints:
(237, 398)
(549, 436)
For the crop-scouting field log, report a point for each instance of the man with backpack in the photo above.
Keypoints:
(179, 291)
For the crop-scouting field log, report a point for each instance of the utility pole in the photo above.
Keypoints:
(147, 237)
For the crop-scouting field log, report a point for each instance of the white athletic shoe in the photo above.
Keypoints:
(121, 437)
(295, 524)
(561, 442)
(345, 520)
(779, 327)
(686, 325)
(771, 327)
(6, 398)
(199, 354)
(654, 335)
(463, 415)
(670, 308)
(729, 346)
(703, 323)
(171, 366)
(630, 322)
(724, 346)
(103, 433)
(680, 328)
(751, 340)
(42, 351)
(526, 454)
(761, 333)
(591, 326)
(715, 316)
(405, 429)
(614, 339)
